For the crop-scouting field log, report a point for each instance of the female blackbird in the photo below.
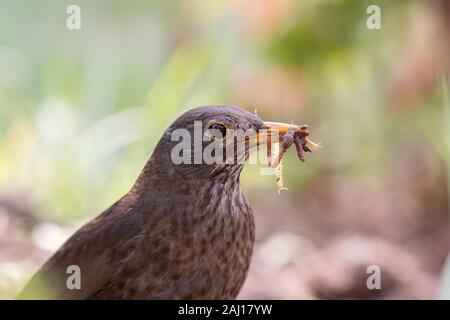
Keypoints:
(184, 230)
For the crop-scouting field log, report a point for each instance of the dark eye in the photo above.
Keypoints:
(217, 127)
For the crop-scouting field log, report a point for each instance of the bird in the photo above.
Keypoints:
(183, 231)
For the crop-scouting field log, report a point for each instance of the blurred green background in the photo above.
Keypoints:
(81, 110)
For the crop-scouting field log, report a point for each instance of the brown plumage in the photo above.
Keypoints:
(182, 232)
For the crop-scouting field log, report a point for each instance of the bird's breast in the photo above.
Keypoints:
(216, 244)
(198, 250)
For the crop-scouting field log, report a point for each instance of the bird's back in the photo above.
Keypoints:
(92, 249)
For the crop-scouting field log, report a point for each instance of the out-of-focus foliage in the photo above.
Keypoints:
(81, 110)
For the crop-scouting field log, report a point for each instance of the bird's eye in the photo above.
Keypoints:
(218, 127)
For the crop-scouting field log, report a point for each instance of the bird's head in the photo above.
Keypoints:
(213, 141)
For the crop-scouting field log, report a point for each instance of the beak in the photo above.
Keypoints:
(281, 128)
(270, 133)
(272, 129)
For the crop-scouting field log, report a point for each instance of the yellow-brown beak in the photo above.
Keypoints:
(279, 127)
(274, 129)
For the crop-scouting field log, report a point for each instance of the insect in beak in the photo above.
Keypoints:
(286, 134)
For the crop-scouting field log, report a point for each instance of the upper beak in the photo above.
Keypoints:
(272, 130)
(281, 128)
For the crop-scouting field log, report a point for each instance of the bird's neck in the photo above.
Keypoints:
(220, 193)
(221, 196)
